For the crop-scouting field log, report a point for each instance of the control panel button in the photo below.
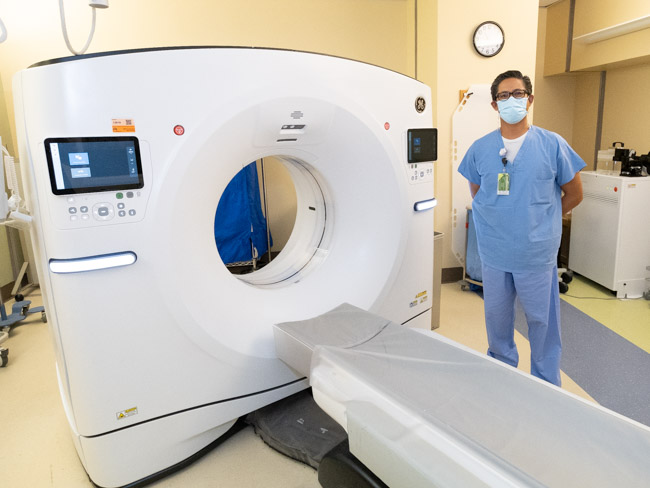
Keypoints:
(120, 205)
(73, 218)
(132, 212)
(72, 210)
(121, 213)
(129, 194)
(119, 195)
(83, 209)
(103, 211)
(85, 216)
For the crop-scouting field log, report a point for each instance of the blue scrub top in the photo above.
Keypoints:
(520, 231)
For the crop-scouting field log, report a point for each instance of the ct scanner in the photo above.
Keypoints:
(159, 347)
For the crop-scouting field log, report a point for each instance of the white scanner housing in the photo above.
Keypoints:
(159, 347)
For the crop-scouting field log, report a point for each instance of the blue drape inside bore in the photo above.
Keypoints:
(239, 222)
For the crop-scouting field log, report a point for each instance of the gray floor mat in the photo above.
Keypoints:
(298, 428)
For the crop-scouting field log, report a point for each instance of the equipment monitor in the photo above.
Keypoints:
(93, 164)
(422, 145)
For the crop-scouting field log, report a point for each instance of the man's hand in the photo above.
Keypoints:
(473, 189)
(572, 194)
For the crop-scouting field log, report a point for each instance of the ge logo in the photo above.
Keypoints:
(420, 104)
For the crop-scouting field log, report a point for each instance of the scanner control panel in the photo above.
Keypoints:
(96, 180)
(92, 209)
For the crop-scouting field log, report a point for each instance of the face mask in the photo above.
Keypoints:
(513, 109)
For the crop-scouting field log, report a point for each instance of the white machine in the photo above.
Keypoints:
(159, 347)
(610, 231)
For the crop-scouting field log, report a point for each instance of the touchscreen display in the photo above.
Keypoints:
(93, 164)
(422, 145)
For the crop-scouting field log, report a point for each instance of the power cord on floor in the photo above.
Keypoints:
(602, 298)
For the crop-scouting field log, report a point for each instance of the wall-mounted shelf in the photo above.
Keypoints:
(614, 31)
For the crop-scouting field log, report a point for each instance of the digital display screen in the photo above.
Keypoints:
(422, 145)
(93, 164)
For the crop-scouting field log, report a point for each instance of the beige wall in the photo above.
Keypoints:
(627, 108)
(585, 118)
(555, 32)
(281, 201)
(6, 273)
(459, 66)
(554, 108)
(380, 32)
(594, 15)
(427, 46)
(374, 31)
(570, 101)
(567, 103)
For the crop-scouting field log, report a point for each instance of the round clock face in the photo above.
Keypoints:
(488, 39)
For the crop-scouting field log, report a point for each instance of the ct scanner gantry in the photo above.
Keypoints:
(159, 348)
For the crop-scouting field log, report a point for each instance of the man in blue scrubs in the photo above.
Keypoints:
(522, 179)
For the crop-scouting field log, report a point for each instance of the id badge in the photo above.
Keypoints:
(503, 186)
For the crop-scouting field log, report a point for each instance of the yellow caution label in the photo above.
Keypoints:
(421, 294)
(126, 413)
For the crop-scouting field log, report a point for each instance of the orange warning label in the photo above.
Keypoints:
(123, 125)
(120, 128)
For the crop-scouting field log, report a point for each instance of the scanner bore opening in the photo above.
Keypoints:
(270, 222)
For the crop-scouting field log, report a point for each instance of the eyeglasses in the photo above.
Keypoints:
(504, 95)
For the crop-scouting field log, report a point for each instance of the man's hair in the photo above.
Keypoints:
(510, 74)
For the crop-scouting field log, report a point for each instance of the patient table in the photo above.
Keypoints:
(423, 411)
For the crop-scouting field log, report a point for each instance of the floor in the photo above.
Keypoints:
(36, 449)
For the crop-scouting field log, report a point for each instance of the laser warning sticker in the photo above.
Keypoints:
(126, 413)
(123, 125)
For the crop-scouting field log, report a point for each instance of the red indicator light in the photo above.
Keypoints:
(386, 126)
(179, 130)
(616, 188)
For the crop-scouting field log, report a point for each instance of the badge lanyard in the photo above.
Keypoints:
(503, 182)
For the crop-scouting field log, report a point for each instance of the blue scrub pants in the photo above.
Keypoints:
(539, 295)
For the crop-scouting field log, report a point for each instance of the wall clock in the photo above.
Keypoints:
(488, 39)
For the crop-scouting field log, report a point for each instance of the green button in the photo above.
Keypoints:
(119, 195)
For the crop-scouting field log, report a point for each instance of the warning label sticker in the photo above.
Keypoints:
(419, 298)
(126, 413)
(123, 125)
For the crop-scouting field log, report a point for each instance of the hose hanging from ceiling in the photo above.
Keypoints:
(65, 31)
